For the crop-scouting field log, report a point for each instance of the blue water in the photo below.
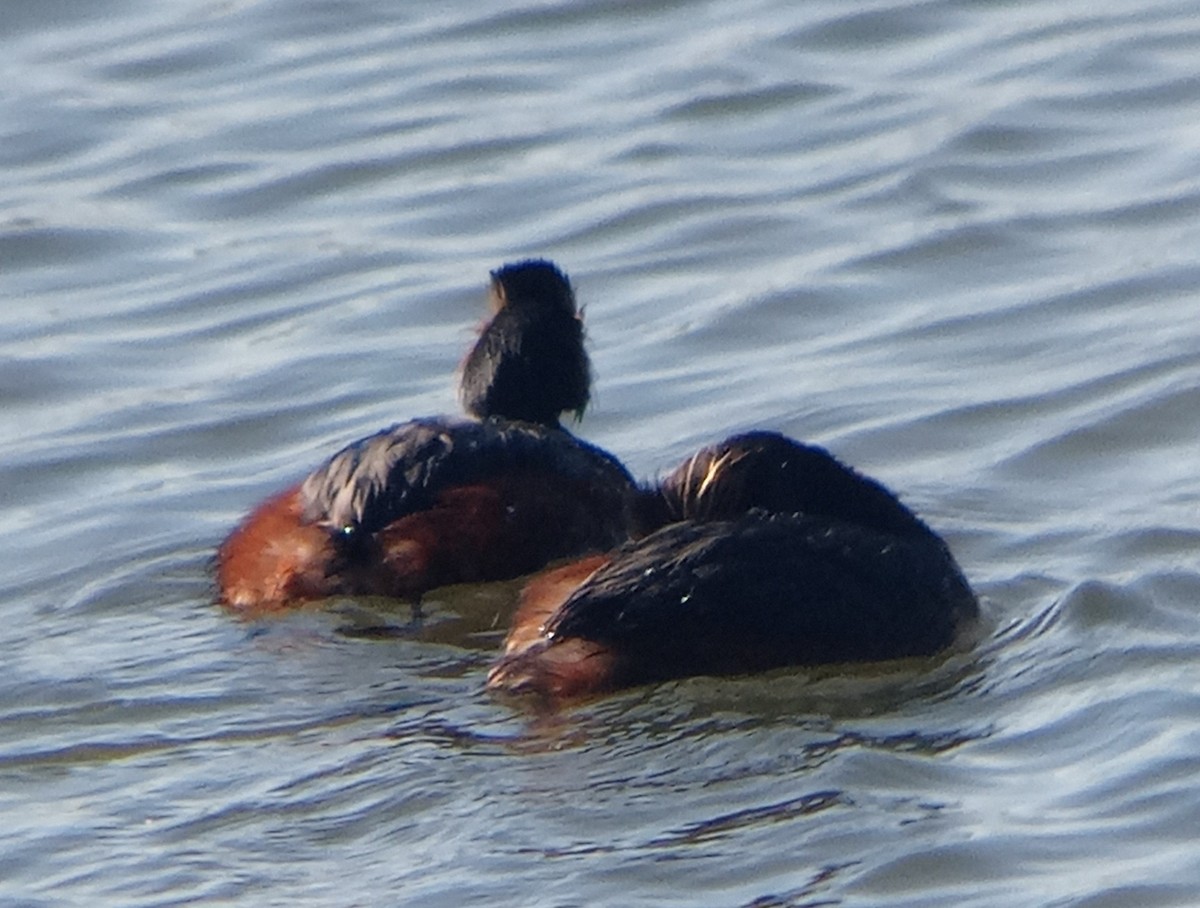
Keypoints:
(955, 242)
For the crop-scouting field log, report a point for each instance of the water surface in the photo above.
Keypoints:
(955, 242)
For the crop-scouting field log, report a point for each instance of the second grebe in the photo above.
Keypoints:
(773, 553)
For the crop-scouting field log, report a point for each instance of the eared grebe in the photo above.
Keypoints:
(770, 553)
(449, 500)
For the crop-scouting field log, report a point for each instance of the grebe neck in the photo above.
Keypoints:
(529, 363)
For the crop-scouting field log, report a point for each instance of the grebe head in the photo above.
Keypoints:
(535, 283)
(529, 363)
(774, 473)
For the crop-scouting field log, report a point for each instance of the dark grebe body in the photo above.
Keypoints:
(448, 500)
(773, 553)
